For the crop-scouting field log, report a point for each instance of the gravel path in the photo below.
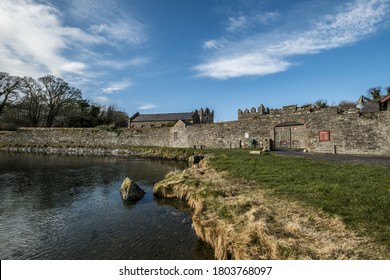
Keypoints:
(381, 160)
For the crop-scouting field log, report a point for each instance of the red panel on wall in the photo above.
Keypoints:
(324, 135)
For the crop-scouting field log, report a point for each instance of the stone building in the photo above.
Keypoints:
(366, 105)
(170, 119)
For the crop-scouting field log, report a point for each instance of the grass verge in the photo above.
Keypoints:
(357, 193)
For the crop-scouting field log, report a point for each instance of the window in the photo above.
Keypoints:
(175, 136)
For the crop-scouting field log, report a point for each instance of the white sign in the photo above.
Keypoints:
(246, 135)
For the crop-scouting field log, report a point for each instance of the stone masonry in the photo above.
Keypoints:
(325, 130)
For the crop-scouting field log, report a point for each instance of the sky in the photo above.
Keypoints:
(159, 56)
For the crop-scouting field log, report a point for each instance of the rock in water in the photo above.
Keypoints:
(130, 191)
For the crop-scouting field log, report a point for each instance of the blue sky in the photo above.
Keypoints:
(175, 56)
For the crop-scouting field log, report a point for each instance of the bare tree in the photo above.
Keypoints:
(346, 105)
(8, 89)
(33, 100)
(321, 103)
(57, 93)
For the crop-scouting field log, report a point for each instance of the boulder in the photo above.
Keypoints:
(131, 191)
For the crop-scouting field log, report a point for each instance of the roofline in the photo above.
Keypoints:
(180, 117)
(289, 123)
(134, 116)
(384, 99)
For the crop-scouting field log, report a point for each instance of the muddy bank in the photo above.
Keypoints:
(240, 220)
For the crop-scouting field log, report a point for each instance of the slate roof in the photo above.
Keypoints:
(163, 117)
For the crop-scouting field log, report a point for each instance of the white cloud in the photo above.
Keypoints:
(147, 107)
(267, 17)
(265, 54)
(242, 22)
(214, 44)
(74, 67)
(86, 10)
(109, 21)
(117, 86)
(242, 65)
(140, 60)
(35, 41)
(32, 40)
(120, 31)
(122, 64)
(236, 23)
(102, 100)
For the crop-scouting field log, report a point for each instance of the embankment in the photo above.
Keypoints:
(67, 149)
(240, 221)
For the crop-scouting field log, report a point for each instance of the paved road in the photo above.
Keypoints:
(381, 160)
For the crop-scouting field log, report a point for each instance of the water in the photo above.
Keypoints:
(68, 207)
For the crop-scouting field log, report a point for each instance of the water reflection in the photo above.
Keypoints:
(68, 207)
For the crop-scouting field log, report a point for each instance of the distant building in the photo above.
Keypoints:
(169, 119)
(366, 105)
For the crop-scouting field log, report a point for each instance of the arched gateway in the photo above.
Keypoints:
(289, 135)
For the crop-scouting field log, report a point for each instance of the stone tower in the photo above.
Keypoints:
(205, 116)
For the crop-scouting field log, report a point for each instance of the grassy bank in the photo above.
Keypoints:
(272, 207)
(358, 193)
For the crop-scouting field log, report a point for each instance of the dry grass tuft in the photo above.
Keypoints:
(241, 221)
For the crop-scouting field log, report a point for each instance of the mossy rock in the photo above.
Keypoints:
(131, 191)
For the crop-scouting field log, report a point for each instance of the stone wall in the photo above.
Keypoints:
(350, 133)
(92, 137)
(137, 125)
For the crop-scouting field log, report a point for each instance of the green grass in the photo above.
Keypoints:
(358, 193)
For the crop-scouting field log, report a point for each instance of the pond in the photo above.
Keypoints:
(69, 207)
